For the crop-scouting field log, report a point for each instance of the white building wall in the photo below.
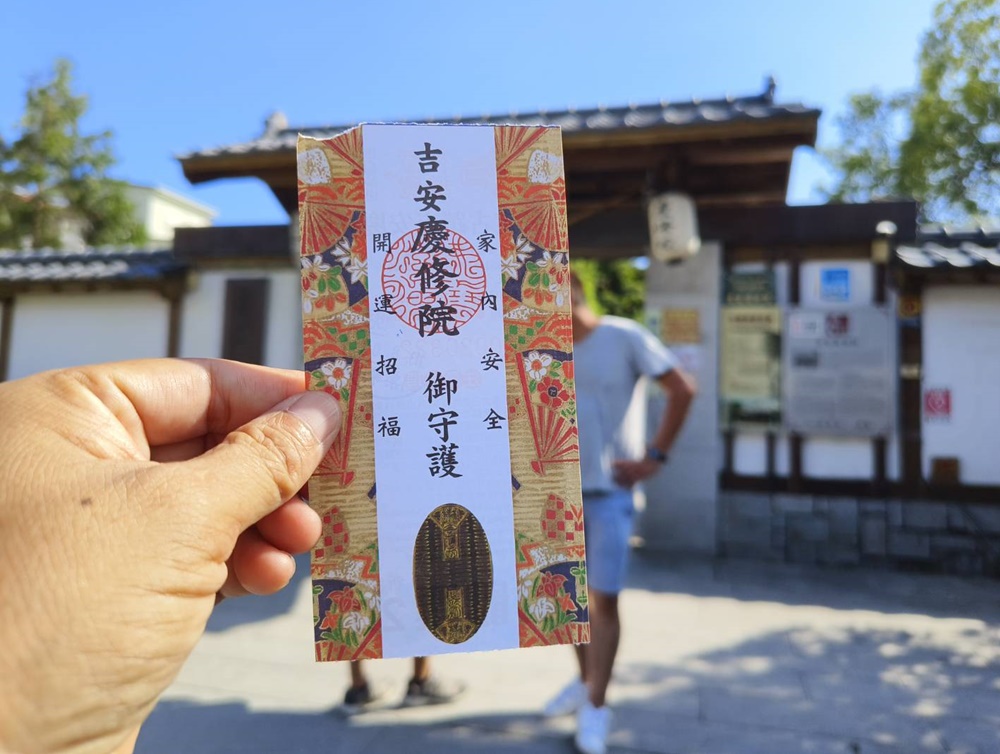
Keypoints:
(680, 512)
(161, 211)
(961, 352)
(284, 325)
(165, 216)
(203, 317)
(54, 330)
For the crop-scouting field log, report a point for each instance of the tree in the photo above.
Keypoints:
(940, 142)
(53, 177)
(615, 286)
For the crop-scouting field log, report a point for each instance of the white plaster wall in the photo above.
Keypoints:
(680, 512)
(204, 315)
(961, 351)
(161, 211)
(61, 329)
(284, 326)
(164, 216)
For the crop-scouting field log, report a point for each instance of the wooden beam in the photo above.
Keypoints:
(240, 164)
(803, 253)
(740, 156)
(584, 210)
(803, 127)
(249, 244)
(739, 199)
(747, 233)
(964, 493)
(785, 225)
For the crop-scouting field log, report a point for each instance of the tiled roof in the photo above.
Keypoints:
(941, 247)
(279, 137)
(89, 265)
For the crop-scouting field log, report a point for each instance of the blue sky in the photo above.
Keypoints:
(172, 77)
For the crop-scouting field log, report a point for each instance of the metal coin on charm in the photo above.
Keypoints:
(452, 573)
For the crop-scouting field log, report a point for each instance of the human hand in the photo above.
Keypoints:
(629, 473)
(132, 497)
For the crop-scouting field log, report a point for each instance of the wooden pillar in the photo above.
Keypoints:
(174, 294)
(880, 481)
(794, 438)
(728, 454)
(772, 471)
(6, 328)
(911, 357)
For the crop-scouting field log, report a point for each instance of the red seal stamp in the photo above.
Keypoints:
(434, 289)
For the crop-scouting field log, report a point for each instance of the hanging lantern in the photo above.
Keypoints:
(673, 227)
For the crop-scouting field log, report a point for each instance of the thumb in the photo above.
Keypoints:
(265, 462)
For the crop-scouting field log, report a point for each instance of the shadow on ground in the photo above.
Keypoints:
(815, 690)
(839, 589)
(231, 728)
(823, 691)
(846, 588)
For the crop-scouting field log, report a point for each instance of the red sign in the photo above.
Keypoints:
(937, 404)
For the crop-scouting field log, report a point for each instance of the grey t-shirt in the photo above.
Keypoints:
(609, 365)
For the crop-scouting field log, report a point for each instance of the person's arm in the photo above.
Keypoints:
(681, 389)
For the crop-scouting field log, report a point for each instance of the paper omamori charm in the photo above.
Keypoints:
(435, 290)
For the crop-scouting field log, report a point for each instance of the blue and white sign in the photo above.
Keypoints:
(835, 284)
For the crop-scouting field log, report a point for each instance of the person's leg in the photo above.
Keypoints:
(605, 630)
(581, 659)
(608, 526)
(359, 694)
(357, 675)
(424, 688)
(421, 669)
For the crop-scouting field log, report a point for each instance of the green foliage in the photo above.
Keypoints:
(939, 143)
(616, 286)
(53, 176)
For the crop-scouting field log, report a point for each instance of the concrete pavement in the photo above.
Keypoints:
(716, 658)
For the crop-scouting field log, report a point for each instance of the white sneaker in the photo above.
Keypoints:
(592, 727)
(568, 701)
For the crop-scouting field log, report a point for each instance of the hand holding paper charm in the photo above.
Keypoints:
(133, 496)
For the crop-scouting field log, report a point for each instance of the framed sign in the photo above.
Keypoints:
(838, 372)
(750, 367)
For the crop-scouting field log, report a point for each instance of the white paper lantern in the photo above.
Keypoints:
(673, 227)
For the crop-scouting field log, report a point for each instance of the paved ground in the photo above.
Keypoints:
(731, 658)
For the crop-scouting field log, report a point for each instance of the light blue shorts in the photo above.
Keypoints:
(607, 520)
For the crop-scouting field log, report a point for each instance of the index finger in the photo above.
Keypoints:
(165, 401)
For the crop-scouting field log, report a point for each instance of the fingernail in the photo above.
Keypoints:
(320, 412)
